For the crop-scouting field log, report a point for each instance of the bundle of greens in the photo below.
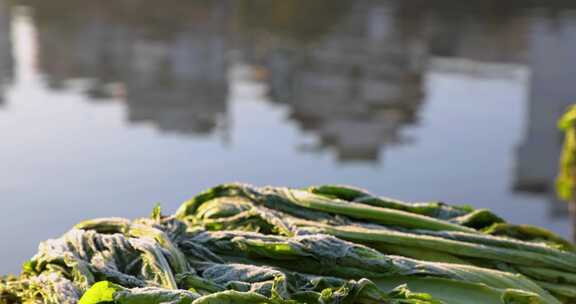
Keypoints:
(236, 243)
(566, 181)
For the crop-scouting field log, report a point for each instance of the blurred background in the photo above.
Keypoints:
(108, 107)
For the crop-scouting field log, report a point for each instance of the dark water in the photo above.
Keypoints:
(108, 107)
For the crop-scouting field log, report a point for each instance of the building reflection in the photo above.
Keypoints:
(6, 61)
(551, 92)
(350, 72)
(353, 77)
(180, 83)
(168, 61)
(356, 85)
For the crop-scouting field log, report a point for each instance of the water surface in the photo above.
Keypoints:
(108, 107)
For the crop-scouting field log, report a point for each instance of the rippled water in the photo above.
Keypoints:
(108, 107)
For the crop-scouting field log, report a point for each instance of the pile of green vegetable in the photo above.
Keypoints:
(566, 181)
(236, 243)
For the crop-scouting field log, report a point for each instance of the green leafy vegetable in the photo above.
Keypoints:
(236, 243)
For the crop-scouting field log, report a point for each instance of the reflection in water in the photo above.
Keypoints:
(291, 20)
(358, 75)
(6, 62)
(171, 70)
(354, 98)
(351, 72)
(552, 46)
(180, 83)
